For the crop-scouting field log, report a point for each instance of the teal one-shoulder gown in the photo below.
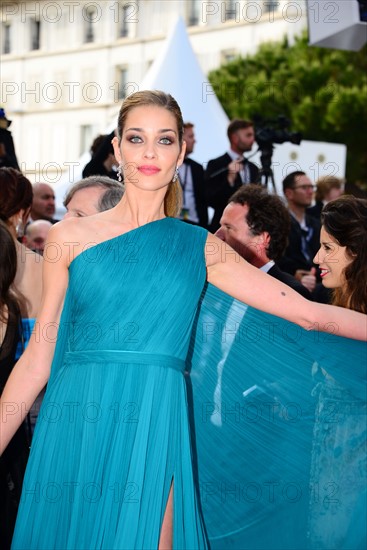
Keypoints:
(263, 444)
(112, 435)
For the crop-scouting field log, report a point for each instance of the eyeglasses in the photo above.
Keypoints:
(305, 187)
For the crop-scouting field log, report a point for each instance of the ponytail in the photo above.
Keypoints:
(173, 199)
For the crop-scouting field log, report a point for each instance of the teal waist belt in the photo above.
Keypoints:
(116, 356)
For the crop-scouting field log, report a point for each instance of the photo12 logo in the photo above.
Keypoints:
(53, 12)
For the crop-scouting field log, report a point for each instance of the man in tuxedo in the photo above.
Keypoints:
(225, 174)
(256, 225)
(191, 175)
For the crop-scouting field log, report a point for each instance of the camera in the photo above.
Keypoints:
(266, 135)
(268, 132)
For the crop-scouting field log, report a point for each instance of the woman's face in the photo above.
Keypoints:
(332, 260)
(149, 150)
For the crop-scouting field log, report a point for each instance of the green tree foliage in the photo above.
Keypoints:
(322, 91)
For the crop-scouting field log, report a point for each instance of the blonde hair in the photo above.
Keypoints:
(173, 198)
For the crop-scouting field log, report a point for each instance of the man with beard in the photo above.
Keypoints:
(225, 174)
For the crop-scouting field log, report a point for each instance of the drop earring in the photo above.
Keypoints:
(175, 175)
(119, 173)
(19, 228)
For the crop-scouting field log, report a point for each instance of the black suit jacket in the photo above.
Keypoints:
(217, 189)
(289, 280)
(8, 157)
(197, 172)
(95, 166)
(316, 209)
(293, 258)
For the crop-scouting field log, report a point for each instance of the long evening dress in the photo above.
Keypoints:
(118, 427)
(112, 435)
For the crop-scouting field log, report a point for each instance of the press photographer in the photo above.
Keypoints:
(225, 174)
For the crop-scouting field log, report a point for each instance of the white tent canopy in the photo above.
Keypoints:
(176, 71)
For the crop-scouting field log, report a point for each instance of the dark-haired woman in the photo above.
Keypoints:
(16, 196)
(339, 458)
(342, 257)
(14, 459)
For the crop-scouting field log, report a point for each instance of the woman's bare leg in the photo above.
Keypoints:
(166, 537)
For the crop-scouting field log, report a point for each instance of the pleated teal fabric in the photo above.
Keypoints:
(280, 420)
(264, 443)
(113, 435)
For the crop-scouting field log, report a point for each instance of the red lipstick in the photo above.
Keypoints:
(148, 169)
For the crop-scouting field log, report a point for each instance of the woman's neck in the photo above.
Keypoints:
(137, 209)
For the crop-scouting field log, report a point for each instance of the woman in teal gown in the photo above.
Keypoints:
(112, 462)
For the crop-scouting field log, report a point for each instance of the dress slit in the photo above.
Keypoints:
(166, 532)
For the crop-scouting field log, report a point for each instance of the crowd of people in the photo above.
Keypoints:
(118, 313)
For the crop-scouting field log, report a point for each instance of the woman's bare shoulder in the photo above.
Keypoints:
(71, 228)
(69, 237)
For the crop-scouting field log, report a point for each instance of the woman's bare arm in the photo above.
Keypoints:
(31, 372)
(232, 274)
(28, 280)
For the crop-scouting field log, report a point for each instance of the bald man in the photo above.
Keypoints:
(36, 234)
(43, 205)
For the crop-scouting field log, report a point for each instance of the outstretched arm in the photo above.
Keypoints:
(31, 372)
(232, 274)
